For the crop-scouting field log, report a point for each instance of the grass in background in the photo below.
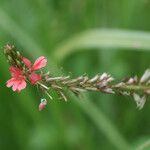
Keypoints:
(66, 125)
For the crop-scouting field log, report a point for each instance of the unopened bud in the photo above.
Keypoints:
(10, 60)
(18, 54)
(43, 104)
(18, 63)
(8, 48)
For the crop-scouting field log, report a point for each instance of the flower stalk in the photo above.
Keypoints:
(138, 88)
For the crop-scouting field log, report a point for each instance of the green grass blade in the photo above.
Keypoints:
(104, 38)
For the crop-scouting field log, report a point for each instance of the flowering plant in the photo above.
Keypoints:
(19, 76)
(23, 71)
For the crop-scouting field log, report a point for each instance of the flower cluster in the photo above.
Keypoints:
(18, 80)
(22, 70)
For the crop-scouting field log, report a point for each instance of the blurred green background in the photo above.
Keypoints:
(77, 36)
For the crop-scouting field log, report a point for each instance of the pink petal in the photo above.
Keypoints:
(10, 82)
(15, 85)
(27, 62)
(22, 85)
(39, 63)
(15, 72)
(34, 78)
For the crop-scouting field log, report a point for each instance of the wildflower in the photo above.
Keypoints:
(17, 82)
(38, 64)
(43, 104)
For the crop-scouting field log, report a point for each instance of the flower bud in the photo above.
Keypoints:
(43, 104)
(18, 54)
(18, 63)
(10, 60)
(8, 48)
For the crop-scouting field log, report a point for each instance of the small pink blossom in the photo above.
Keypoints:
(17, 82)
(38, 64)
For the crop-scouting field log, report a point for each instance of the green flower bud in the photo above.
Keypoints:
(10, 58)
(19, 64)
(8, 49)
(18, 54)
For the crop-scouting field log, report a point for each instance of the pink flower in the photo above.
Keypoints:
(17, 82)
(38, 64)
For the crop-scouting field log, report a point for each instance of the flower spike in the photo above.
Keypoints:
(22, 70)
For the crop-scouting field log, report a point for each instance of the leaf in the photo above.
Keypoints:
(104, 38)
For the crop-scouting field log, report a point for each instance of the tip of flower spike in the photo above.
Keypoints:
(8, 48)
(43, 104)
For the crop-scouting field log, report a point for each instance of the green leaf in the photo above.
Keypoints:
(104, 38)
